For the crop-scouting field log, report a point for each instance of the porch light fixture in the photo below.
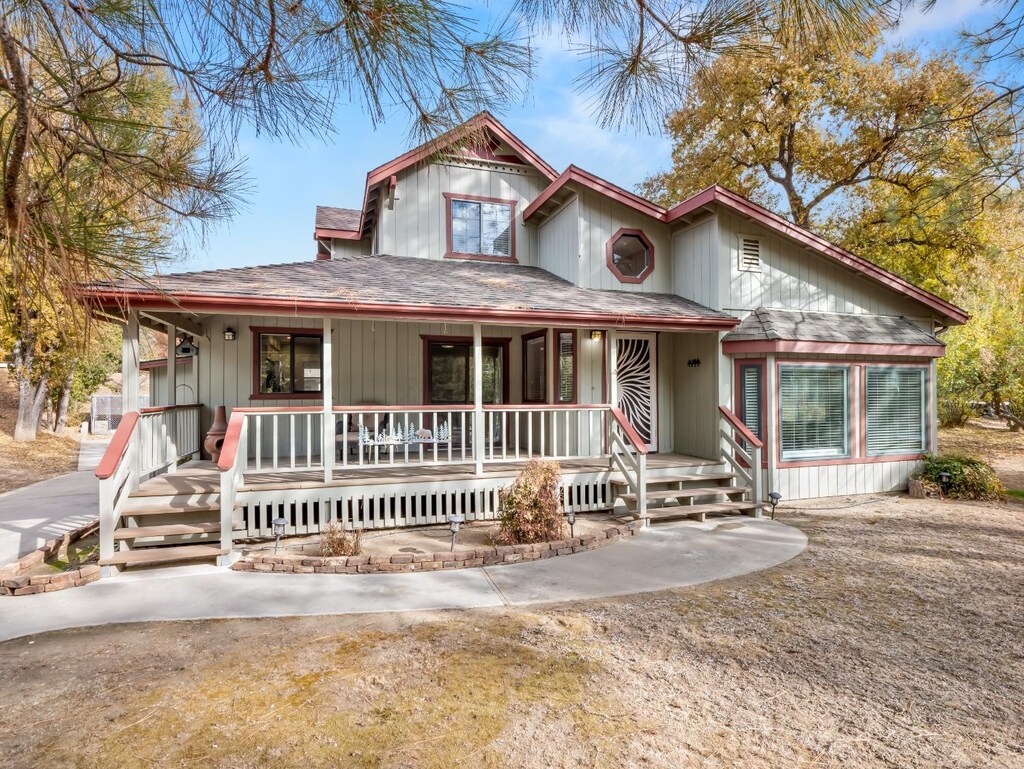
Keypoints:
(596, 335)
(774, 497)
(944, 479)
(229, 334)
(570, 516)
(278, 524)
(455, 521)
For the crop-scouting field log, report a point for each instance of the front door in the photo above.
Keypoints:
(636, 388)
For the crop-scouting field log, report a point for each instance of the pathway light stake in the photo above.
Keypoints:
(455, 520)
(944, 479)
(278, 524)
(570, 516)
(774, 497)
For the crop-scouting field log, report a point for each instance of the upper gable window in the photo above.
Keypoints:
(481, 228)
(630, 255)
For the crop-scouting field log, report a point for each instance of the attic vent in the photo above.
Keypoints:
(750, 253)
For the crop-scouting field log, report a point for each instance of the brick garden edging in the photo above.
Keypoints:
(14, 580)
(299, 563)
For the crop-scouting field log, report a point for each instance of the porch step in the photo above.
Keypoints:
(172, 509)
(167, 530)
(699, 512)
(688, 493)
(152, 555)
(683, 478)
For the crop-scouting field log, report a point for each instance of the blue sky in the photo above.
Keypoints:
(276, 223)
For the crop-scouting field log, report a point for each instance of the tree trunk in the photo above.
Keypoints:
(31, 397)
(61, 419)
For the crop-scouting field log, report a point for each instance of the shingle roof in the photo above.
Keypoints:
(330, 218)
(765, 324)
(408, 281)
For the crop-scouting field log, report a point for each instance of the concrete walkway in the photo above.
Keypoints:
(33, 514)
(663, 556)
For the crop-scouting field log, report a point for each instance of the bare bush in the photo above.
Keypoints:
(336, 540)
(530, 510)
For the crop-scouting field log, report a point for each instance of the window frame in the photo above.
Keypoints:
(609, 255)
(492, 341)
(526, 339)
(451, 253)
(556, 355)
(849, 442)
(895, 454)
(257, 333)
(740, 399)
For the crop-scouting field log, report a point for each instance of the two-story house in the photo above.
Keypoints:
(479, 309)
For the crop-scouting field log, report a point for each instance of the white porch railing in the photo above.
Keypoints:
(628, 455)
(145, 444)
(741, 449)
(545, 431)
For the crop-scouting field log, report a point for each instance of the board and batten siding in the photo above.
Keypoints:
(695, 262)
(558, 242)
(342, 248)
(185, 375)
(836, 480)
(694, 393)
(600, 218)
(417, 225)
(794, 278)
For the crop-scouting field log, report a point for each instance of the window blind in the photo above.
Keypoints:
(814, 412)
(750, 397)
(535, 377)
(895, 410)
(566, 366)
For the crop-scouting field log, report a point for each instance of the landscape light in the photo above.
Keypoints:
(278, 524)
(774, 497)
(455, 520)
(570, 516)
(944, 479)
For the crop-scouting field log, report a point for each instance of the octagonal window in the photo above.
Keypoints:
(630, 256)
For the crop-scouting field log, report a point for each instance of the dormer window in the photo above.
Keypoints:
(630, 255)
(481, 228)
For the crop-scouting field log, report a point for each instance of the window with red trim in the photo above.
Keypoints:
(289, 363)
(565, 366)
(750, 396)
(535, 376)
(481, 227)
(630, 255)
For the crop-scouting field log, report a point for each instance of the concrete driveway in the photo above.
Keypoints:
(660, 557)
(31, 515)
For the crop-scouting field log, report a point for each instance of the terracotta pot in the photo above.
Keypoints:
(215, 436)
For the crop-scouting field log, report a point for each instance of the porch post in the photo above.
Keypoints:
(478, 399)
(327, 386)
(613, 365)
(172, 368)
(130, 363)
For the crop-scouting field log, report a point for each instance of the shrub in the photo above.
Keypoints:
(955, 409)
(530, 510)
(969, 478)
(336, 540)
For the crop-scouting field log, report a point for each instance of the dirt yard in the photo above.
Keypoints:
(25, 463)
(895, 640)
(991, 440)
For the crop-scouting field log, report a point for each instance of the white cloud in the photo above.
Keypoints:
(946, 17)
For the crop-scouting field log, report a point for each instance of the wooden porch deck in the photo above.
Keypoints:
(202, 477)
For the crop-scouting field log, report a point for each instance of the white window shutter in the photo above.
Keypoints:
(749, 253)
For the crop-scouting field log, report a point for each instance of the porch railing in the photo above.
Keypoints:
(742, 450)
(390, 435)
(167, 434)
(546, 431)
(628, 455)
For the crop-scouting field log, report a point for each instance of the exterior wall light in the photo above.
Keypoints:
(229, 334)
(597, 335)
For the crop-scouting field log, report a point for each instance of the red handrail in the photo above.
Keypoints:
(741, 428)
(229, 448)
(634, 437)
(112, 456)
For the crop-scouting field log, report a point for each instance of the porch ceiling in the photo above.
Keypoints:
(408, 288)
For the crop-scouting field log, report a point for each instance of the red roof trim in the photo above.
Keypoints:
(832, 348)
(858, 264)
(257, 305)
(326, 232)
(599, 185)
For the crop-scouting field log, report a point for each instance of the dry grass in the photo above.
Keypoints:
(24, 463)
(894, 641)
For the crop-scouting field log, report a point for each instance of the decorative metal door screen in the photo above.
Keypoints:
(635, 378)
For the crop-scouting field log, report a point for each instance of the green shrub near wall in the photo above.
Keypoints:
(969, 478)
